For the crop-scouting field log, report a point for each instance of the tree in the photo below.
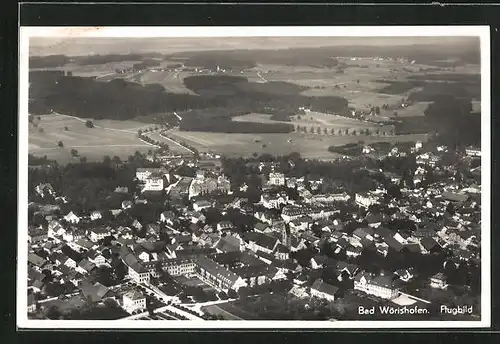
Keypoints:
(74, 153)
(325, 131)
(332, 131)
(377, 110)
(116, 160)
(318, 130)
(66, 129)
(83, 160)
(354, 132)
(60, 144)
(89, 124)
(311, 130)
(346, 131)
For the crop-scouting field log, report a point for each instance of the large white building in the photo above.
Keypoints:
(133, 301)
(273, 201)
(153, 183)
(276, 178)
(472, 151)
(143, 173)
(366, 199)
(381, 285)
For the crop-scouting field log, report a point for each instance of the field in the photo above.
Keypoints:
(416, 109)
(107, 138)
(308, 145)
(315, 119)
(171, 80)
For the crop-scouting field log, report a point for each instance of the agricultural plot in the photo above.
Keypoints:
(308, 145)
(107, 138)
(415, 109)
(171, 80)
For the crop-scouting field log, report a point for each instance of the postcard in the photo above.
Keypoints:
(254, 177)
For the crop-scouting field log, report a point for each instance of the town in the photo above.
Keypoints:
(165, 236)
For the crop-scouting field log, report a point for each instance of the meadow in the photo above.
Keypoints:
(310, 146)
(108, 137)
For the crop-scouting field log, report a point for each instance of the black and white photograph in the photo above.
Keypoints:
(254, 177)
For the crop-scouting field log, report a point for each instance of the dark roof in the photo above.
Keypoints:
(261, 239)
(215, 269)
(383, 232)
(36, 260)
(320, 259)
(323, 287)
(96, 292)
(228, 244)
(454, 197)
(428, 243)
(252, 270)
(265, 255)
(412, 247)
(393, 243)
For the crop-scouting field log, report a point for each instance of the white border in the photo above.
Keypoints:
(483, 32)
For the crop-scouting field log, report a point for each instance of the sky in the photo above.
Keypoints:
(74, 46)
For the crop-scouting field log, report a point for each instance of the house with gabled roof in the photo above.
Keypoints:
(406, 275)
(85, 266)
(71, 217)
(134, 301)
(36, 261)
(428, 245)
(323, 290)
(260, 242)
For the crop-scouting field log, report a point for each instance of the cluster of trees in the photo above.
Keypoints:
(341, 131)
(88, 186)
(49, 61)
(102, 59)
(148, 139)
(227, 126)
(117, 99)
(341, 172)
(452, 119)
(39, 161)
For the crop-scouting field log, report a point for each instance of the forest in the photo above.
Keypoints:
(117, 99)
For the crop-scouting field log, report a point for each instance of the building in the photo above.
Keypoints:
(202, 204)
(323, 290)
(276, 179)
(37, 234)
(174, 267)
(72, 218)
(328, 198)
(366, 199)
(154, 182)
(381, 286)
(142, 174)
(97, 234)
(203, 185)
(31, 303)
(216, 275)
(291, 213)
(133, 301)
(473, 151)
(273, 202)
(139, 273)
(438, 281)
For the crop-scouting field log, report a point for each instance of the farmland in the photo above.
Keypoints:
(310, 146)
(107, 138)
